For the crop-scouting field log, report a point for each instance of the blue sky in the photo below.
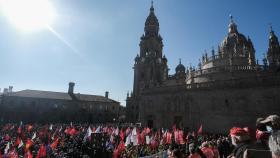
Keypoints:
(105, 36)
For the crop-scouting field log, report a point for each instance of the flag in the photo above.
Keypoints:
(19, 130)
(54, 144)
(18, 141)
(60, 129)
(174, 127)
(127, 131)
(134, 136)
(28, 154)
(89, 131)
(148, 141)
(147, 130)
(42, 151)
(73, 131)
(122, 135)
(199, 132)
(128, 140)
(181, 137)
(7, 137)
(98, 130)
(121, 146)
(116, 132)
(29, 143)
(20, 144)
(67, 130)
(13, 154)
(168, 138)
(116, 153)
(7, 148)
(29, 128)
(34, 136)
(51, 127)
(176, 135)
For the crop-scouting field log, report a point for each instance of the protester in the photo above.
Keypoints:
(272, 123)
(240, 139)
(122, 141)
(274, 144)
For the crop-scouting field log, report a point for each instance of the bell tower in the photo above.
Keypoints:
(150, 68)
(273, 53)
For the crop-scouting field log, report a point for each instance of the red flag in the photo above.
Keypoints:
(174, 127)
(147, 130)
(180, 137)
(19, 130)
(122, 134)
(193, 134)
(17, 141)
(168, 138)
(73, 131)
(42, 151)
(127, 131)
(7, 137)
(199, 132)
(121, 146)
(13, 154)
(116, 153)
(54, 144)
(29, 143)
(29, 128)
(28, 154)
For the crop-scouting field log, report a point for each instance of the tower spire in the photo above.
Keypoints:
(152, 6)
(270, 28)
(232, 26)
(231, 18)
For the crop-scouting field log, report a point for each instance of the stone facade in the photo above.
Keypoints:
(228, 87)
(45, 107)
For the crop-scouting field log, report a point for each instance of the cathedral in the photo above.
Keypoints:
(229, 87)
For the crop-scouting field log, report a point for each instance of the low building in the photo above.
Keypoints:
(47, 106)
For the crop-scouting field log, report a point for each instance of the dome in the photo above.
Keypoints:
(180, 67)
(234, 41)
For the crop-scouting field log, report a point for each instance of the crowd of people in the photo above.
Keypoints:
(84, 140)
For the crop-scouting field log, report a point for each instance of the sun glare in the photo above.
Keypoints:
(28, 15)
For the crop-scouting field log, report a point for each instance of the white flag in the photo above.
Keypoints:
(7, 148)
(34, 136)
(116, 131)
(148, 140)
(20, 144)
(89, 131)
(134, 137)
(51, 127)
(98, 130)
(60, 129)
(128, 140)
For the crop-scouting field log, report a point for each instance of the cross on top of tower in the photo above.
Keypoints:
(152, 6)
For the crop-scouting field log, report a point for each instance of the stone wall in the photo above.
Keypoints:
(16, 109)
(217, 105)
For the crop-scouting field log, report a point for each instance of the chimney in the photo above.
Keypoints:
(106, 94)
(71, 88)
(10, 89)
(5, 91)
